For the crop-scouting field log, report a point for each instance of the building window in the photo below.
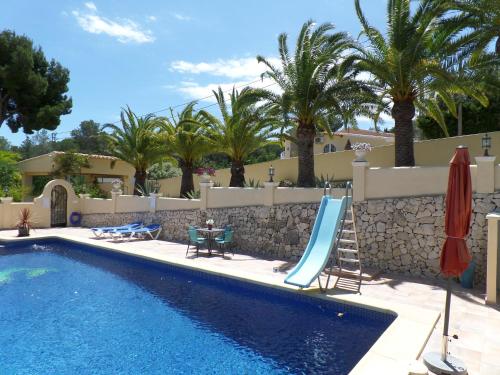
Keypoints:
(106, 180)
(329, 148)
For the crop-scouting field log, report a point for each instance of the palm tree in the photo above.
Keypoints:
(413, 67)
(185, 142)
(244, 128)
(316, 81)
(135, 142)
(481, 18)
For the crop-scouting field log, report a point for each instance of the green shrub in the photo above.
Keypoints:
(322, 180)
(193, 194)
(39, 183)
(82, 187)
(70, 163)
(287, 183)
(162, 170)
(251, 183)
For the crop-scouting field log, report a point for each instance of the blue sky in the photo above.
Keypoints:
(155, 54)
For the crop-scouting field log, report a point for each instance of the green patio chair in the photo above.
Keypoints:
(226, 240)
(221, 237)
(194, 240)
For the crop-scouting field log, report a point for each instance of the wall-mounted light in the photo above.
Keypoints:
(486, 144)
(271, 173)
(155, 186)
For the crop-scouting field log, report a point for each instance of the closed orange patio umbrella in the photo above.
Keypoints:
(455, 256)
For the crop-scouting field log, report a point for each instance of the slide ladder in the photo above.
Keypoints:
(348, 260)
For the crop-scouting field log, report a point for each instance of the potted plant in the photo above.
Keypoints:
(210, 224)
(24, 224)
(205, 173)
(361, 149)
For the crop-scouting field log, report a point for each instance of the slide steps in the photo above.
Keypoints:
(348, 260)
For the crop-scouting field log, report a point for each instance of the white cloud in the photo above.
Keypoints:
(181, 17)
(196, 91)
(244, 68)
(124, 30)
(152, 18)
(240, 72)
(90, 5)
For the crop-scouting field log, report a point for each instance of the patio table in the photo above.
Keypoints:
(210, 236)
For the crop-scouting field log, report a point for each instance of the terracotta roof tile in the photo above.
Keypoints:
(364, 132)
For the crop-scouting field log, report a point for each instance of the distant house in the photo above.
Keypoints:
(341, 140)
(103, 170)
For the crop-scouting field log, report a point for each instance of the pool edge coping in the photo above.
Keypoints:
(412, 325)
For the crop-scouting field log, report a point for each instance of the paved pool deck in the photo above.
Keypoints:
(417, 301)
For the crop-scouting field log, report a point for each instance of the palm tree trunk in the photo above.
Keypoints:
(305, 148)
(403, 113)
(187, 183)
(140, 180)
(237, 174)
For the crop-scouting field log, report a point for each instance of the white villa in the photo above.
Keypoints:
(341, 140)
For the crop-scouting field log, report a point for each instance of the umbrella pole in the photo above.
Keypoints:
(446, 323)
(442, 363)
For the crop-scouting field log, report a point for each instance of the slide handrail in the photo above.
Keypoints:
(327, 184)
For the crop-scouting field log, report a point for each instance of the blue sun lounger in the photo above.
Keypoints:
(322, 240)
(141, 232)
(100, 231)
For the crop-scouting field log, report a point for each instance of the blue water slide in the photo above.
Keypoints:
(320, 244)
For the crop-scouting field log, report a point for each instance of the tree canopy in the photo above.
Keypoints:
(475, 119)
(10, 178)
(318, 82)
(136, 142)
(245, 127)
(32, 89)
(89, 138)
(412, 64)
(185, 141)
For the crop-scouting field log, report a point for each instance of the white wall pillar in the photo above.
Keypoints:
(128, 184)
(114, 198)
(204, 188)
(153, 200)
(269, 189)
(83, 205)
(359, 180)
(5, 213)
(485, 179)
(492, 258)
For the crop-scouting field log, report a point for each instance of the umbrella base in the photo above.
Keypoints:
(452, 365)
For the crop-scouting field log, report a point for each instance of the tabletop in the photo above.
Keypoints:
(213, 230)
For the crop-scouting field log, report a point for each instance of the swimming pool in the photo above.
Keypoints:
(68, 308)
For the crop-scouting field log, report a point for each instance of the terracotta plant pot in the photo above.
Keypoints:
(209, 226)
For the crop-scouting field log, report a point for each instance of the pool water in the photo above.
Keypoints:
(66, 308)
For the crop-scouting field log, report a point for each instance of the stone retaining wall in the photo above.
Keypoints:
(281, 231)
(406, 234)
(403, 235)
